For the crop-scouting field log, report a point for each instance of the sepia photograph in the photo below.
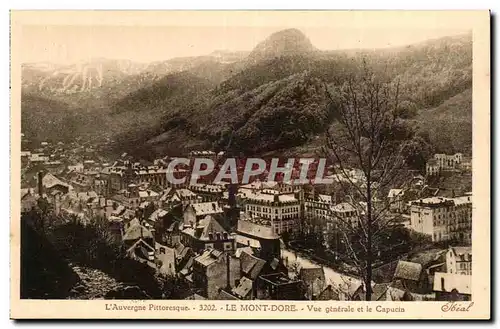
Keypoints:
(251, 162)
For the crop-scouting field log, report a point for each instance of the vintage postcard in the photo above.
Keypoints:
(250, 164)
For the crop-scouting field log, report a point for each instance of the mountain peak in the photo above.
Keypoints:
(282, 43)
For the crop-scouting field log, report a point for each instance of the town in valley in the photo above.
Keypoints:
(101, 219)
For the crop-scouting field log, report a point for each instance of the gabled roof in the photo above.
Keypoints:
(251, 266)
(187, 268)
(379, 291)
(244, 288)
(139, 243)
(50, 180)
(208, 257)
(181, 251)
(210, 226)
(239, 251)
(463, 254)
(256, 230)
(342, 207)
(408, 271)
(206, 208)
(157, 214)
(428, 257)
(309, 275)
(179, 247)
(137, 231)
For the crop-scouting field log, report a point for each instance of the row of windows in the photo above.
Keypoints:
(269, 210)
(346, 214)
(217, 236)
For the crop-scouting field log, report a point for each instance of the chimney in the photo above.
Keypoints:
(228, 278)
(233, 207)
(232, 195)
(40, 183)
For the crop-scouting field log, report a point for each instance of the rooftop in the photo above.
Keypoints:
(408, 271)
(268, 197)
(463, 253)
(432, 201)
(206, 208)
(251, 266)
(255, 230)
(208, 257)
(243, 288)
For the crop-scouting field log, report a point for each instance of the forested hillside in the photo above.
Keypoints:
(274, 99)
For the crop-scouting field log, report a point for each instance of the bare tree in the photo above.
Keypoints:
(367, 136)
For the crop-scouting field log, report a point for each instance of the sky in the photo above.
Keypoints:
(69, 43)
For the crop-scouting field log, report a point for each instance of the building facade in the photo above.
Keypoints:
(442, 161)
(443, 219)
(459, 260)
(281, 210)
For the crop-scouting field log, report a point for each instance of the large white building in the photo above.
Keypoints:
(317, 212)
(282, 210)
(442, 218)
(443, 161)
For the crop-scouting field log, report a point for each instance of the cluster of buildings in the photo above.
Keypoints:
(437, 274)
(226, 243)
(444, 162)
(220, 249)
(443, 275)
(443, 219)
